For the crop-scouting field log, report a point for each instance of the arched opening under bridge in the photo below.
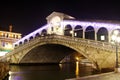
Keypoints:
(51, 53)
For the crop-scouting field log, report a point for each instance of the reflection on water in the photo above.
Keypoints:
(77, 69)
(49, 72)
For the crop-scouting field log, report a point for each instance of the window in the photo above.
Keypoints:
(3, 44)
(102, 37)
(51, 28)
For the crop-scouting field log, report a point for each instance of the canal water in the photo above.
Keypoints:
(49, 71)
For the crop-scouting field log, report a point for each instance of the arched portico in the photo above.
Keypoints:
(90, 33)
(67, 31)
(78, 31)
(44, 32)
(102, 34)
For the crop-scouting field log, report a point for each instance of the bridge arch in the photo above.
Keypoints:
(102, 34)
(44, 32)
(37, 35)
(90, 33)
(78, 31)
(67, 30)
(20, 43)
(58, 59)
(25, 41)
(31, 37)
(91, 30)
(88, 48)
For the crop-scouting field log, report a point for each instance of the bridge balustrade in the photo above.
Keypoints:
(64, 39)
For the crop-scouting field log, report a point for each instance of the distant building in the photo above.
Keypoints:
(7, 38)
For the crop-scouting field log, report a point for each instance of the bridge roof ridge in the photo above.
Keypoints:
(92, 23)
(98, 21)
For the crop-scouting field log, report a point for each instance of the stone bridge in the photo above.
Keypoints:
(53, 48)
(63, 35)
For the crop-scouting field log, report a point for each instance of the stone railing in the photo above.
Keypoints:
(64, 39)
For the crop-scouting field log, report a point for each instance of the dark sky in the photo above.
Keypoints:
(28, 15)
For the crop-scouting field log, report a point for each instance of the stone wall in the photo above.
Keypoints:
(4, 69)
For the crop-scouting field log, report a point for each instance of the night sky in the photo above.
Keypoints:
(28, 15)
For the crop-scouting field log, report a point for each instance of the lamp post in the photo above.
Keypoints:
(116, 40)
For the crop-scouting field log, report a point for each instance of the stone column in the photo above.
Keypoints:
(83, 34)
(95, 36)
(109, 40)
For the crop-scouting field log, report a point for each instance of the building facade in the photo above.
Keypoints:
(7, 38)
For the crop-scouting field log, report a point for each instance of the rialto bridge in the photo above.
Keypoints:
(63, 35)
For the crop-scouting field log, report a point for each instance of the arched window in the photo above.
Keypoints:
(3, 34)
(31, 38)
(13, 36)
(78, 31)
(102, 34)
(25, 41)
(67, 31)
(37, 35)
(90, 33)
(44, 32)
(20, 43)
(7, 35)
(16, 36)
(15, 45)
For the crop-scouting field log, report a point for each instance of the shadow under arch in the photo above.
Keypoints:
(51, 57)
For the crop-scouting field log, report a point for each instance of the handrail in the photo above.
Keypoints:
(52, 38)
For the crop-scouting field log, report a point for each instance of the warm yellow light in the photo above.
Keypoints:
(77, 58)
(1, 33)
(71, 32)
(9, 46)
(77, 69)
(10, 35)
(60, 66)
(19, 36)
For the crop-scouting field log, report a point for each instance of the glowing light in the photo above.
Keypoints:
(75, 34)
(102, 37)
(10, 72)
(113, 37)
(77, 69)
(31, 34)
(2, 53)
(60, 66)
(9, 46)
(95, 24)
(116, 32)
(77, 58)
(71, 32)
(1, 33)
(118, 39)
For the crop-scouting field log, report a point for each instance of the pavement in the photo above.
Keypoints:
(102, 76)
